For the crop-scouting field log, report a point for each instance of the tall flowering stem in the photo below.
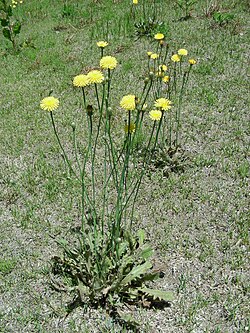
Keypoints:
(63, 151)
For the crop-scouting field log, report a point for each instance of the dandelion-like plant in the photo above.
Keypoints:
(108, 263)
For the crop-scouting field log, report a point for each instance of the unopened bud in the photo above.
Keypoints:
(89, 110)
(151, 75)
(109, 111)
(73, 125)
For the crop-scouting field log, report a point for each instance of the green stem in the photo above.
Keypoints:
(63, 151)
(138, 183)
(84, 98)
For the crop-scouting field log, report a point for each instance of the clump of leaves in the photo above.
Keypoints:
(223, 18)
(10, 26)
(97, 275)
(68, 10)
(186, 6)
(149, 27)
(210, 8)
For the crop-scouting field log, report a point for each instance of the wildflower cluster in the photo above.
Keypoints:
(111, 262)
(14, 3)
(166, 80)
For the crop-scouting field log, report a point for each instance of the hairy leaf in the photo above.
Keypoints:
(17, 27)
(4, 22)
(136, 272)
(158, 294)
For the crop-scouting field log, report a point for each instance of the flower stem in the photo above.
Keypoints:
(63, 151)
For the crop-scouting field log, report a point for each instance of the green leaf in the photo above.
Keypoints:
(9, 11)
(146, 252)
(83, 291)
(6, 33)
(158, 294)
(17, 27)
(129, 320)
(136, 272)
(141, 236)
(4, 22)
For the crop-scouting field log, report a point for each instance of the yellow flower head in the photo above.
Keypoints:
(154, 56)
(163, 68)
(135, 2)
(108, 62)
(182, 52)
(163, 103)
(192, 61)
(175, 58)
(131, 128)
(155, 114)
(81, 80)
(165, 79)
(49, 103)
(102, 44)
(95, 76)
(149, 54)
(128, 102)
(159, 36)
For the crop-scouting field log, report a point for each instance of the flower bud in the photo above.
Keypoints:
(89, 110)
(151, 75)
(73, 125)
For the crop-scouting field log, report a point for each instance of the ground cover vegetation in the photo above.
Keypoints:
(187, 155)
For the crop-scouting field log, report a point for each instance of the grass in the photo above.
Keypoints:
(198, 220)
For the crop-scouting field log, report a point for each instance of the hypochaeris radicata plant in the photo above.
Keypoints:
(11, 27)
(107, 262)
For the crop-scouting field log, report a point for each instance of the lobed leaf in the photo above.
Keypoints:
(158, 294)
(136, 272)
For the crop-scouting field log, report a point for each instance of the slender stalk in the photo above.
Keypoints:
(63, 151)
(84, 98)
(75, 149)
(158, 130)
(97, 97)
(138, 183)
(179, 110)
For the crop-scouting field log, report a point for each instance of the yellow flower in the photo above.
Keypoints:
(163, 68)
(163, 103)
(165, 79)
(149, 54)
(102, 44)
(155, 114)
(182, 52)
(49, 103)
(175, 58)
(131, 128)
(108, 62)
(192, 61)
(95, 76)
(154, 56)
(135, 2)
(128, 102)
(159, 36)
(81, 80)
